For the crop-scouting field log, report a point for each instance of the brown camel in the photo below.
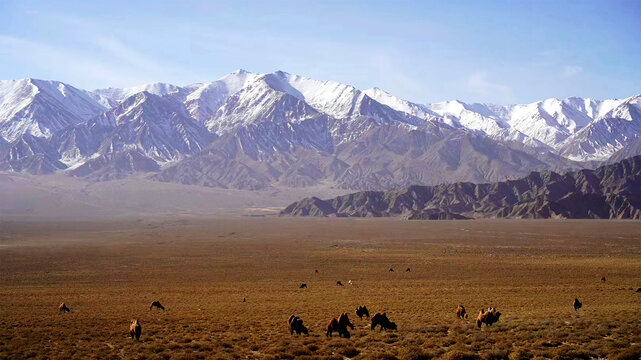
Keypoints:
(460, 312)
(63, 308)
(488, 317)
(135, 329)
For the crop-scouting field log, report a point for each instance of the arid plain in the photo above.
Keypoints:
(108, 273)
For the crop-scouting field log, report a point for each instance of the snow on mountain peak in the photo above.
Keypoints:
(43, 107)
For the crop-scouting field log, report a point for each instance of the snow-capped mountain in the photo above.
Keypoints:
(249, 130)
(552, 122)
(154, 125)
(40, 107)
(111, 97)
(615, 129)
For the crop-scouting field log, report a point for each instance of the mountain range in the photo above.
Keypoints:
(253, 131)
(609, 192)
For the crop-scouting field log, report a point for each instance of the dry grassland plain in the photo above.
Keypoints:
(108, 273)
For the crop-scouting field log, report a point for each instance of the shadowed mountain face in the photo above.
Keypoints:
(256, 131)
(609, 192)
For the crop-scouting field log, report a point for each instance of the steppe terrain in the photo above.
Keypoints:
(109, 271)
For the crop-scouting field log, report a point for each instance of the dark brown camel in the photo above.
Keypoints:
(296, 325)
(157, 305)
(577, 304)
(340, 326)
(383, 321)
(362, 311)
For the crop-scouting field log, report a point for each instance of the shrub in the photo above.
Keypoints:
(495, 355)
(633, 353)
(350, 351)
(460, 355)
(415, 353)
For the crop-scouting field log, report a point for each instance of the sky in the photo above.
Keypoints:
(499, 52)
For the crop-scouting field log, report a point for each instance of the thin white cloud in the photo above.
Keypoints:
(570, 71)
(104, 57)
(43, 57)
(479, 84)
(117, 49)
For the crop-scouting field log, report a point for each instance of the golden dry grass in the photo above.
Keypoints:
(109, 272)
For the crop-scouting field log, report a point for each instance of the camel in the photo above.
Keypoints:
(383, 321)
(296, 325)
(135, 329)
(303, 286)
(488, 317)
(460, 312)
(63, 308)
(407, 270)
(340, 326)
(577, 304)
(339, 283)
(157, 305)
(362, 311)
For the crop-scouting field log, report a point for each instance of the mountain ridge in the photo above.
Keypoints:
(296, 130)
(611, 191)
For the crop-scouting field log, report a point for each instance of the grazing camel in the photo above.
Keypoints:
(488, 317)
(157, 305)
(340, 326)
(303, 286)
(296, 325)
(460, 312)
(63, 308)
(135, 329)
(383, 321)
(391, 270)
(362, 311)
(577, 304)
(603, 279)
(339, 283)
(638, 290)
(407, 270)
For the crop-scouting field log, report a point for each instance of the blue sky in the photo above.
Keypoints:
(428, 51)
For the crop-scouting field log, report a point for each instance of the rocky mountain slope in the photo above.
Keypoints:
(253, 131)
(609, 192)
